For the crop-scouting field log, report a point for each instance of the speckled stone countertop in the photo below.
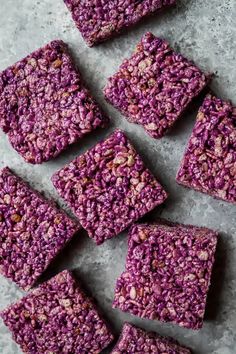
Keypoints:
(202, 30)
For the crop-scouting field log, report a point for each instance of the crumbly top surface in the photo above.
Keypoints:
(135, 340)
(154, 87)
(209, 163)
(100, 20)
(56, 318)
(44, 106)
(33, 230)
(109, 187)
(168, 272)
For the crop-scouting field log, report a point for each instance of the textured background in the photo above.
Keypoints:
(204, 31)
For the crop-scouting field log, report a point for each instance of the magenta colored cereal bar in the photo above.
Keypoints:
(155, 86)
(44, 106)
(109, 187)
(135, 340)
(209, 163)
(56, 318)
(33, 230)
(99, 20)
(168, 273)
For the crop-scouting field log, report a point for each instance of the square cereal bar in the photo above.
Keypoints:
(134, 340)
(44, 106)
(154, 87)
(168, 272)
(109, 187)
(33, 230)
(56, 318)
(209, 163)
(101, 20)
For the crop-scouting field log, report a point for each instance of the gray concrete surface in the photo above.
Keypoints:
(204, 31)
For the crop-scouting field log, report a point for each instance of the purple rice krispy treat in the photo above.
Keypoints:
(168, 272)
(209, 163)
(101, 20)
(109, 187)
(56, 318)
(155, 86)
(33, 230)
(44, 106)
(134, 340)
